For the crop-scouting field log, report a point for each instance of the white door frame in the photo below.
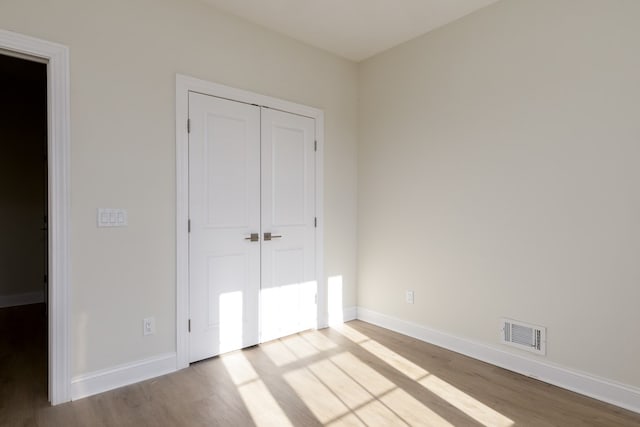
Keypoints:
(184, 85)
(58, 144)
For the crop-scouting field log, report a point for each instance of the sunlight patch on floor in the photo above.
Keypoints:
(394, 360)
(344, 387)
(320, 400)
(450, 394)
(260, 403)
(351, 334)
(375, 383)
(262, 406)
(279, 353)
(411, 410)
(349, 420)
(318, 340)
(343, 390)
(296, 347)
(393, 405)
(465, 403)
(239, 368)
(300, 347)
(371, 396)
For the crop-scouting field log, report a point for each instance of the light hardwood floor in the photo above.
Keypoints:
(357, 374)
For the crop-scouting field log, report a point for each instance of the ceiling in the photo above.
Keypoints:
(353, 29)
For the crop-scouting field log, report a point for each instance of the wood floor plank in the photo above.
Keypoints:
(358, 374)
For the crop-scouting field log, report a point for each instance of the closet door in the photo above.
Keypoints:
(224, 211)
(288, 285)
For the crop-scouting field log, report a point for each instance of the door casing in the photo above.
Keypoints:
(58, 145)
(185, 84)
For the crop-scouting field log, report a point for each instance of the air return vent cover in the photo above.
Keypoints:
(524, 336)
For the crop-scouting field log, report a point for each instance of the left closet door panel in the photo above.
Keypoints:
(224, 209)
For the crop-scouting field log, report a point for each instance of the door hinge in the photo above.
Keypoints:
(316, 299)
(315, 145)
(189, 325)
(46, 279)
(315, 222)
(188, 125)
(189, 226)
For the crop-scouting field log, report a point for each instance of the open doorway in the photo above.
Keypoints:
(23, 231)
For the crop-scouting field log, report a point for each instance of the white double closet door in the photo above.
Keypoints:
(252, 274)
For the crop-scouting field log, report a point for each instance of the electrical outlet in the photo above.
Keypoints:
(149, 326)
(409, 297)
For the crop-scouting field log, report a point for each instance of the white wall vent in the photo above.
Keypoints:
(524, 336)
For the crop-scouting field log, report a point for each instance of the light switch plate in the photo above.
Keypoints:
(108, 217)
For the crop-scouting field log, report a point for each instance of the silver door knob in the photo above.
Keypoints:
(269, 236)
(253, 237)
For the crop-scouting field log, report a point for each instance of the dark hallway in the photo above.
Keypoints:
(23, 239)
(23, 363)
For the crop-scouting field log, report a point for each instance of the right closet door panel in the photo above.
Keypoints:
(288, 284)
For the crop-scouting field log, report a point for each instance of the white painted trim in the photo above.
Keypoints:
(182, 216)
(57, 57)
(21, 299)
(349, 313)
(323, 297)
(622, 395)
(15, 54)
(122, 375)
(185, 84)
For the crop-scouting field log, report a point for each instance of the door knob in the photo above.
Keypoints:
(269, 236)
(254, 237)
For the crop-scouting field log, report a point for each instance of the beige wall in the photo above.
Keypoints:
(23, 137)
(498, 176)
(124, 57)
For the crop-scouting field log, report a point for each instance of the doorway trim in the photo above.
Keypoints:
(58, 145)
(184, 85)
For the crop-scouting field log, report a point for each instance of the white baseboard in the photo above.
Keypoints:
(119, 376)
(339, 317)
(350, 313)
(21, 299)
(618, 394)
